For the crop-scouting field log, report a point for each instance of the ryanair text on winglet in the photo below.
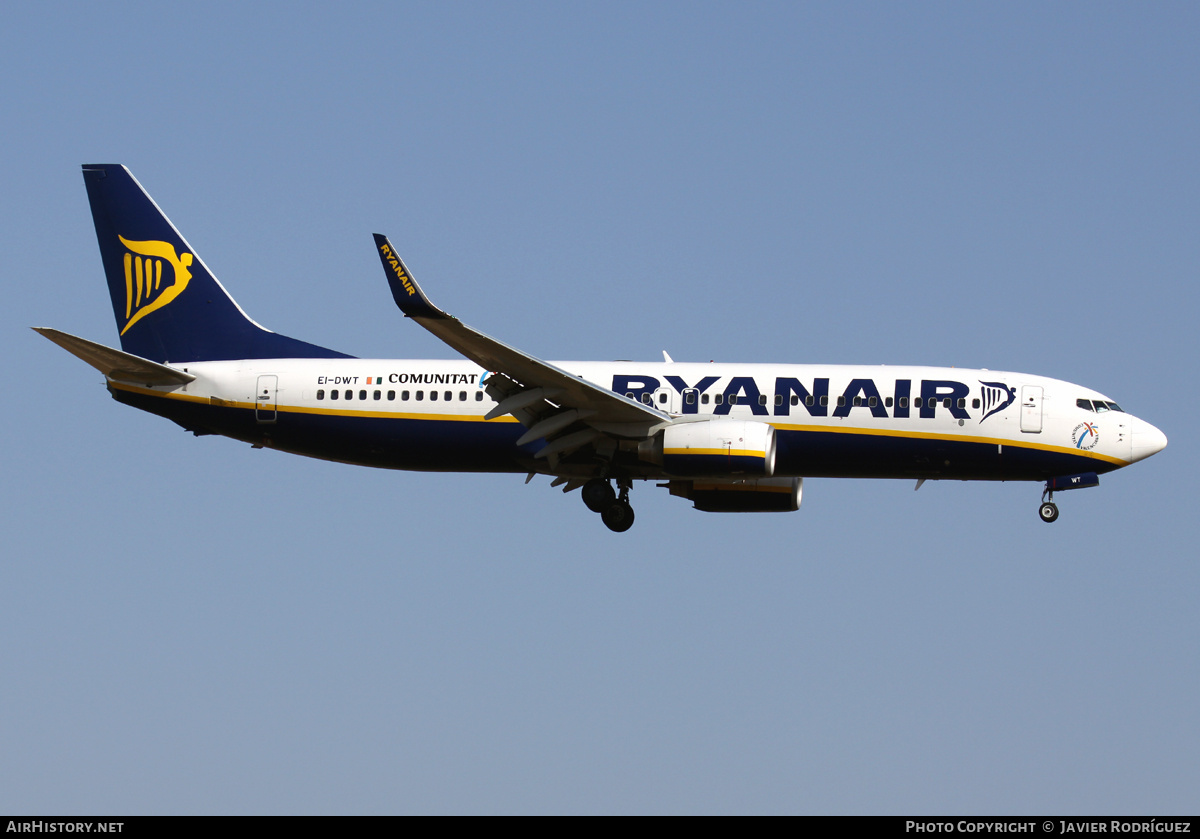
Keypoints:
(401, 275)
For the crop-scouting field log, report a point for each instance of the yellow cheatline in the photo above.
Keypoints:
(181, 397)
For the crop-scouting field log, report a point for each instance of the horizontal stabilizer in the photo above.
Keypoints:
(116, 364)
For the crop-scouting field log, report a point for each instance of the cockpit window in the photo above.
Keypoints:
(1113, 406)
(1086, 404)
(1101, 407)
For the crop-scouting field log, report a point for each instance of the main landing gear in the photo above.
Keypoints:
(600, 497)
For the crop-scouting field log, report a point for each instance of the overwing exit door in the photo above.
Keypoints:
(666, 399)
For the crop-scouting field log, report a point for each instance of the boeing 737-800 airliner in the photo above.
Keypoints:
(728, 437)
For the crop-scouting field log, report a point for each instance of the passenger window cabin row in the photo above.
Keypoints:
(689, 397)
(377, 395)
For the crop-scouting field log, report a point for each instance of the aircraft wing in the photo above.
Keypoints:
(540, 395)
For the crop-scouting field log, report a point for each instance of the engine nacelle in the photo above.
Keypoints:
(719, 447)
(762, 495)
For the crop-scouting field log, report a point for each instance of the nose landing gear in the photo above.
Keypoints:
(615, 510)
(1049, 510)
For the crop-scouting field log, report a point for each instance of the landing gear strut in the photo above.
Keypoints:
(1049, 510)
(600, 497)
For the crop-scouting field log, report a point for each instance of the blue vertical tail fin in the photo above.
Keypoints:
(168, 306)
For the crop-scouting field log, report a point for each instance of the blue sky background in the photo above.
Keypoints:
(192, 626)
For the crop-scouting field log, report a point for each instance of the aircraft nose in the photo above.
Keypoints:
(1147, 440)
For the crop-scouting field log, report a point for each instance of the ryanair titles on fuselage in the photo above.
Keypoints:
(900, 398)
(904, 396)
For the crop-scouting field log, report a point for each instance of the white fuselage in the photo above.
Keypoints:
(901, 421)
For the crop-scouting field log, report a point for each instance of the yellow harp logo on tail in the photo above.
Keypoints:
(146, 289)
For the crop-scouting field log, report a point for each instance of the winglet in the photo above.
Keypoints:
(408, 295)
